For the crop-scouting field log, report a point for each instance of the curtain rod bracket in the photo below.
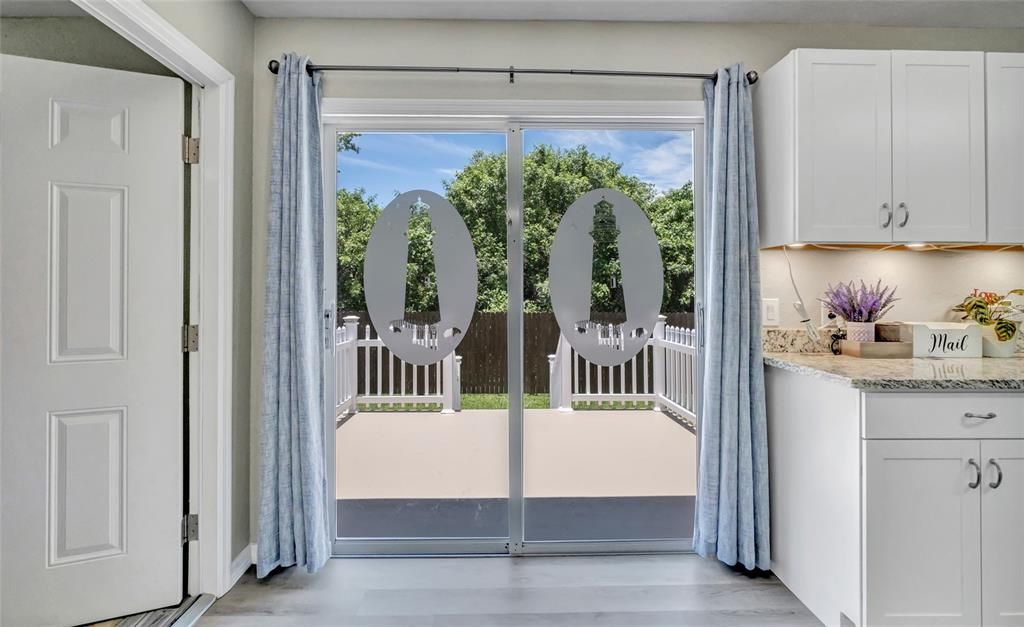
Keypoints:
(511, 75)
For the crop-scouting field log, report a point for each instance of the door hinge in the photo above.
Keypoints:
(189, 149)
(189, 528)
(190, 338)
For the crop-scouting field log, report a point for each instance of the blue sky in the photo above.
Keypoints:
(390, 163)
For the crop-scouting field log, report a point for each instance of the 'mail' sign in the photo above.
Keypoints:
(946, 339)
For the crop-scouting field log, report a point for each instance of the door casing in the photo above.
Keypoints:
(511, 118)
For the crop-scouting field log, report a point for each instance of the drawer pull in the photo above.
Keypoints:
(999, 475)
(977, 474)
(989, 416)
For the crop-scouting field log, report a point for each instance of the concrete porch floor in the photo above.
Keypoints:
(586, 453)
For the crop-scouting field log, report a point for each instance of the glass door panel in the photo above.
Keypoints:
(609, 444)
(422, 419)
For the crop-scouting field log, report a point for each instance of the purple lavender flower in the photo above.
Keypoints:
(863, 304)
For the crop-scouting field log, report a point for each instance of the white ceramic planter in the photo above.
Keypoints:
(860, 331)
(993, 347)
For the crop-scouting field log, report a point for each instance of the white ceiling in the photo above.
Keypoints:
(955, 13)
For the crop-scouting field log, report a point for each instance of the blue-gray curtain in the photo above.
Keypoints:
(731, 521)
(293, 514)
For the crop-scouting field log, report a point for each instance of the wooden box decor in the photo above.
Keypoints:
(877, 350)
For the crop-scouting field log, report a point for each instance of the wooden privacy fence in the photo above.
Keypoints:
(484, 350)
(664, 373)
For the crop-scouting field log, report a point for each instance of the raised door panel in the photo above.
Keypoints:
(922, 546)
(1002, 533)
(844, 166)
(1004, 101)
(938, 139)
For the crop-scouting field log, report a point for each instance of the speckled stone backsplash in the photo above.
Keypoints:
(776, 340)
(793, 341)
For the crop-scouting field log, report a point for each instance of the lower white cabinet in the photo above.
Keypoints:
(943, 532)
(897, 508)
(1002, 533)
(922, 532)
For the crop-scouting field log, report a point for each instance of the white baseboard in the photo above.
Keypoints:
(241, 563)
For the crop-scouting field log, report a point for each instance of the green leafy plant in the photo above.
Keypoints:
(990, 309)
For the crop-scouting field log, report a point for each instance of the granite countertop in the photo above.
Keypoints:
(893, 375)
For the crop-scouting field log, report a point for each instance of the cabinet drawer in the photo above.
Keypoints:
(942, 415)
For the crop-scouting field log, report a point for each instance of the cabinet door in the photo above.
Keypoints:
(1002, 533)
(922, 519)
(1004, 95)
(844, 154)
(938, 145)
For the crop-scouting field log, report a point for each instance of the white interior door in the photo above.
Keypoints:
(92, 240)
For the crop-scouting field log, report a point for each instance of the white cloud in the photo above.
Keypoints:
(667, 166)
(435, 144)
(448, 172)
(596, 141)
(363, 162)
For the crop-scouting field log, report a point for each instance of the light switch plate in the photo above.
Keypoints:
(770, 312)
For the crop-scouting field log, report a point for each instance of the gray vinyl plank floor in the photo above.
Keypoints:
(583, 591)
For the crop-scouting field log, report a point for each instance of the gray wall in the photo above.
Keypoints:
(224, 30)
(633, 45)
(81, 40)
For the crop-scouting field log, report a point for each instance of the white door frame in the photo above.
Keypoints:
(210, 406)
(510, 117)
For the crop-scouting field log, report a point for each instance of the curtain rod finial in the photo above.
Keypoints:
(274, 66)
(752, 77)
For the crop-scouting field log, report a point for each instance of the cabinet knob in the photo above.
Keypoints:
(989, 416)
(999, 474)
(887, 212)
(977, 474)
(906, 215)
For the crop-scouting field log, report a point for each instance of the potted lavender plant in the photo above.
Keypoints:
(861, 307)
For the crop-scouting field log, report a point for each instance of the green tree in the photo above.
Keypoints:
(553, 179)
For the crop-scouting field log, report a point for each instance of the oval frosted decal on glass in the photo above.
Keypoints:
(610, 219)
(420, 341)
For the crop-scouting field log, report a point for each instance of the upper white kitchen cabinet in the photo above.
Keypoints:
(872, 146)
(1005, 91)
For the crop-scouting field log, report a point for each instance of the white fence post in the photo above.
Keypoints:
(560, 376)
(449, 380)
(457, 392)
(658, 336)
(352, 367)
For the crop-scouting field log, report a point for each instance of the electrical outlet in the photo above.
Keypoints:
(770, 312)
(825, 319)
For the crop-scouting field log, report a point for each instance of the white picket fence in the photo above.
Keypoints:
(397, 383)
(664, 373)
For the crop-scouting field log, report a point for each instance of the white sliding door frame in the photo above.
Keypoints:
(212, 237)
(510, 117)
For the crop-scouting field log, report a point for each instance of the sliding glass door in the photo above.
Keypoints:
(514, 367)
(421, 413)
(609, 286)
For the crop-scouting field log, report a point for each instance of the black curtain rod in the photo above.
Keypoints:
(275, 65)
